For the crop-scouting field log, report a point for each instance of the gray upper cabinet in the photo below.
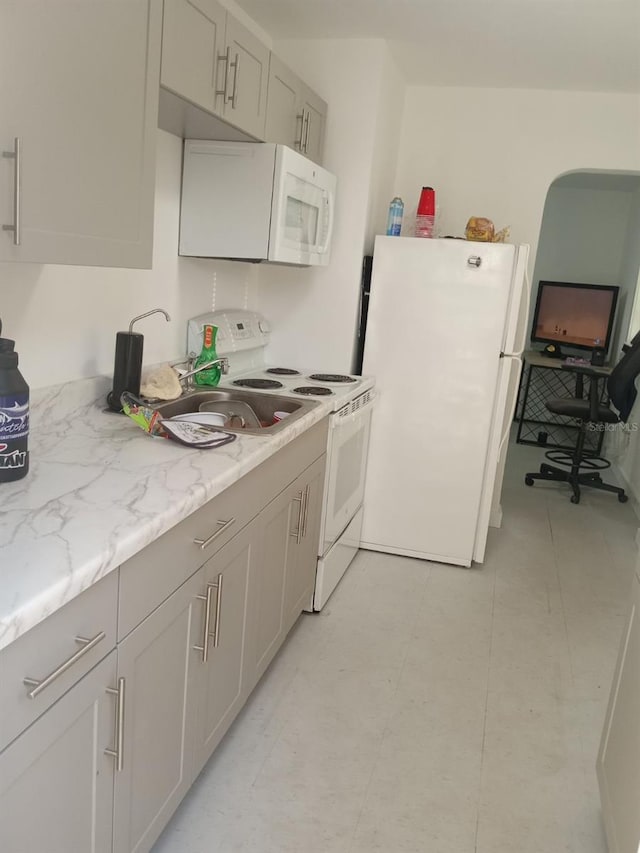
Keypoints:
(246, 79)
(192, 41)
(56, 781)
(79, 93)
(212, 66)
(296, 116)
(314, 111)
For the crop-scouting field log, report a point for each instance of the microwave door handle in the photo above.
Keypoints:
(323, 248)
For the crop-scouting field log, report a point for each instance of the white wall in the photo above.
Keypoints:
(313, 312)
(495, 152)
(64, 319)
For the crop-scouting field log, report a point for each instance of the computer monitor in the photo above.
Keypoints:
(576, 315)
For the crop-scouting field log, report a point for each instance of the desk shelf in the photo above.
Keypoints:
(536, 424)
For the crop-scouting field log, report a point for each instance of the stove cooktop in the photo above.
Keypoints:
(335, 393)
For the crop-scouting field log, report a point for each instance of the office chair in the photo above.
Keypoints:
(582, 467)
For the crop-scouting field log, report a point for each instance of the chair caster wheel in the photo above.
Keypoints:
(623, 498)
(528, 480)
(575, 499)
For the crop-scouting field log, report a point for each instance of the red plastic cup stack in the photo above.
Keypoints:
(426, 213)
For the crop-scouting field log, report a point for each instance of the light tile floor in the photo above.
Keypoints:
(431, 709)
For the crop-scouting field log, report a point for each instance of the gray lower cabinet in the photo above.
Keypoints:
(56, 781)
(283, 580)
(79, 106)
(219, 688)
(301, 565)
(156, 663)
(105, 764)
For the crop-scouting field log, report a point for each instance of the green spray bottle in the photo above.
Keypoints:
(210, 375)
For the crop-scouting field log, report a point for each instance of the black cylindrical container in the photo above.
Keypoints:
(14, 416)
(127, 368)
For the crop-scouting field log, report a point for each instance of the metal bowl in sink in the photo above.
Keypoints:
(264, 405)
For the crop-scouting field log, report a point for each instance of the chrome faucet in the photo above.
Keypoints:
(222, 362)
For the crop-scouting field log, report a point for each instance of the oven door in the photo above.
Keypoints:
(346, 467)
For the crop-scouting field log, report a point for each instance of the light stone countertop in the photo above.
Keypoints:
(98, 491)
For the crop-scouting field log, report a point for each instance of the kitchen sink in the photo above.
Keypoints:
(264, 405)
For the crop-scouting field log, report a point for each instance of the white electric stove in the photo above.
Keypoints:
(243, 337)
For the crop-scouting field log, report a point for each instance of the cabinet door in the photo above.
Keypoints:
(56, 782)
(247, 79)
(155, 661)
(619, 759)
(265, 630)
(192, 40)
(301, 565)
(284, 115)
(218, 671)
(314, 112)
(79, 89)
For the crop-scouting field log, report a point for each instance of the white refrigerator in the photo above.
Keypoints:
(446, 327)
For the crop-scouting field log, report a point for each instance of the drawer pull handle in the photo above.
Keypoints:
(222, 526)
(87, 645)
(118, 752)
(206, 633)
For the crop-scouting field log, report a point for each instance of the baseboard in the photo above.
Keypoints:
(634, 501)
(495, 518)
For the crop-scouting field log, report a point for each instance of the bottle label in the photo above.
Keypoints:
(14, 431)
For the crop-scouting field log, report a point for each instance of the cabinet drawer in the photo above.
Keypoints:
(149, 578)
(50, 656)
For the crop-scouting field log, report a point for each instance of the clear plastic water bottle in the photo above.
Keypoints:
(394, 222)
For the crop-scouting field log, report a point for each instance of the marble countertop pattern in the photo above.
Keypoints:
(98, 491)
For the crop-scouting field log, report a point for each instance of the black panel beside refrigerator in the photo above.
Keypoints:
(365, 291)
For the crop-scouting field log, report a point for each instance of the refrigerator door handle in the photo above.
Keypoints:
(527, 294)
(515, 401)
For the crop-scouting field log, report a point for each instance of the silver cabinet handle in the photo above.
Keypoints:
(305, 511)
(233, 100)
(206, 633)
(474, 261)
(297, 533)
(299, 143)
(15, 155)
(306, 133)
(222, 526)
(216, 627)
(118, 752)
(224, 57)
(87, 645)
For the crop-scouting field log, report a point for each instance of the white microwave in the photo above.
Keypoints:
(255, 201)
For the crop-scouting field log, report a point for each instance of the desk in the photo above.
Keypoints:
(543, 378)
